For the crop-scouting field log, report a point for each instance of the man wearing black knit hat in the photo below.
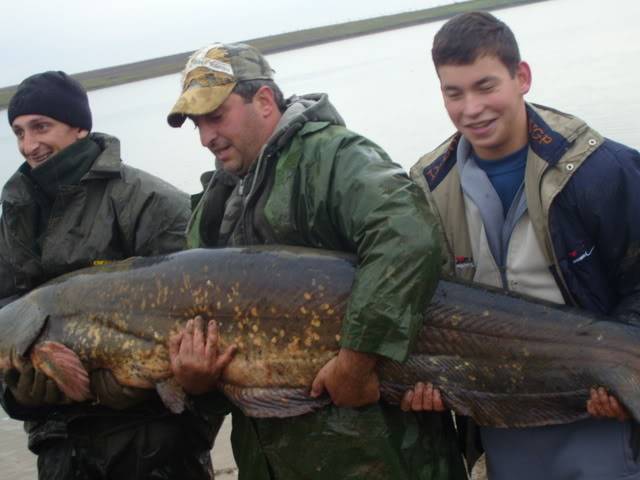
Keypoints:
(49, 112)
(71, 204)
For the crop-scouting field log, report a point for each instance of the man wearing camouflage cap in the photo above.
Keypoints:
(289, 172)
(71, 204)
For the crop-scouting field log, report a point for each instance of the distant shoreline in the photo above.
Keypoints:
(167, 65)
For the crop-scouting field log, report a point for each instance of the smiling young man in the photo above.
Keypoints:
(73, 203)
(533, 200)
(290, 173)
(40, 137)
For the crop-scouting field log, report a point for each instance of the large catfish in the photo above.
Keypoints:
(503, 360)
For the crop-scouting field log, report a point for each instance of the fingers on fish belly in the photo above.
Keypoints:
(63, 366)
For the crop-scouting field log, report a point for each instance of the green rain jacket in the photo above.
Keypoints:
(317, 184)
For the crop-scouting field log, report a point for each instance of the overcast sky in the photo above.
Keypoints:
(77, 35)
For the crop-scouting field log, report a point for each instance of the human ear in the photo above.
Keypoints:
(82, 133)
(523, 74)
(264, 100)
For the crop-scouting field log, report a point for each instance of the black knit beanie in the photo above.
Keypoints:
(55, 95)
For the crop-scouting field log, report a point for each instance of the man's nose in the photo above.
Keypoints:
(208, 134)
(473, 105)
(29, 143)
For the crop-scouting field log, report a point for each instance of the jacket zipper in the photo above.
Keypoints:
(556, 265)
(247, 203)
(564, 290)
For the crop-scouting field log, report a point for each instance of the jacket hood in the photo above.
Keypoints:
(314, 107)
(109, 162)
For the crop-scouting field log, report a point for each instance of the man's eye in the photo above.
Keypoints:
(214, 116)
(18, 133)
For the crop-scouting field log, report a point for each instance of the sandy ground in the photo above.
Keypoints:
(18, 463)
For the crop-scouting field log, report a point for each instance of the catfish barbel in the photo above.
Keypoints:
(503, 360)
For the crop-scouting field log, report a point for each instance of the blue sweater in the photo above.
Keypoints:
(505, 174)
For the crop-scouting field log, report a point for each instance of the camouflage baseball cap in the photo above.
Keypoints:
(210, 75)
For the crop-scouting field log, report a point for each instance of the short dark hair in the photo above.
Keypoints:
(468, 36)
(248, 88)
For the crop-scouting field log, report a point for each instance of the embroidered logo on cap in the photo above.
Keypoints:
(200, 59)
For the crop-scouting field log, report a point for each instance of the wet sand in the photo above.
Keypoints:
(18, 463)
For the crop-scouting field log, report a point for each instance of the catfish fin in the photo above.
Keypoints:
(61, 364)
(279, 402)
(623, 382)
(172, 395)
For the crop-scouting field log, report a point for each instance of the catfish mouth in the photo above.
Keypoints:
(18, 338)
(16, 348)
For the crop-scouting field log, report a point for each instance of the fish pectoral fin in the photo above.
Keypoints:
(61, 364)
(172, 395)
(624, 383)
(278, 402)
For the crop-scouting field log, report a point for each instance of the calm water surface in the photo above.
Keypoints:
(583, 53)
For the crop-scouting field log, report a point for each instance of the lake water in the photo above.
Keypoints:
(584, 55)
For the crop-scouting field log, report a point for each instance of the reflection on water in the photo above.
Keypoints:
(583, 54)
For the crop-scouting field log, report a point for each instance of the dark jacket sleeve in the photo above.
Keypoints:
(596, 221)
(20, 412)
(162, 225)
(8, 291)
(153, 213)
(7, 274)
(385, 219)
(625, 254)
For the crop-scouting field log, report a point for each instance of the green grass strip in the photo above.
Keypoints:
(156, 67)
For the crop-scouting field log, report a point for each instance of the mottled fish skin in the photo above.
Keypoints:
(504, 360)
(511, 362)
(119, 316)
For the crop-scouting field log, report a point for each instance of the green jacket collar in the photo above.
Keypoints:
(66, 167)
(19, 188)
(109, 163)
